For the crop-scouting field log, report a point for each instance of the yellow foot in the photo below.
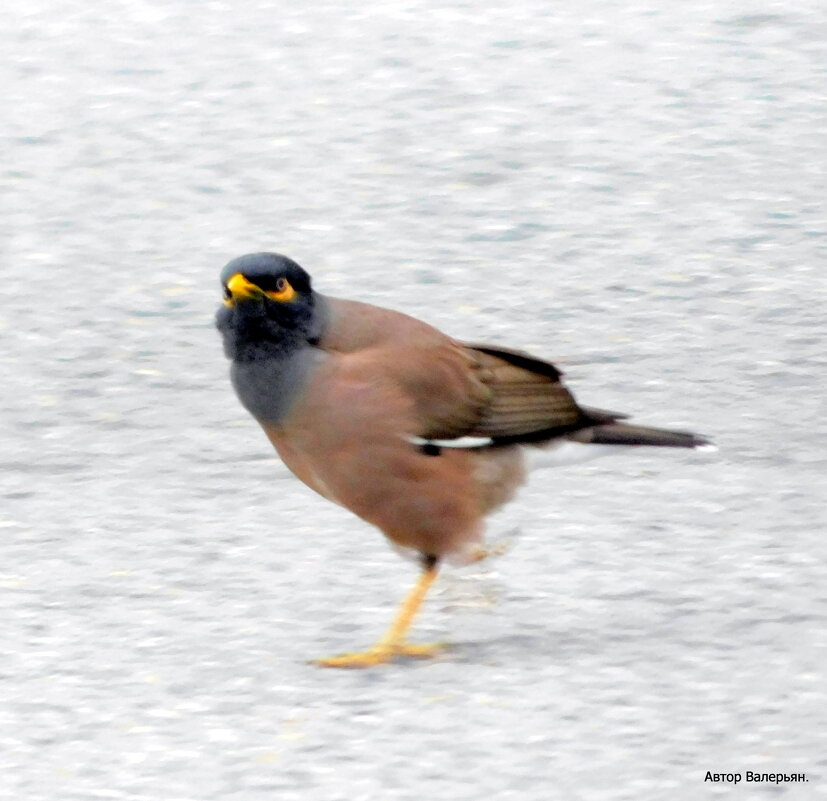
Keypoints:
(380, 654)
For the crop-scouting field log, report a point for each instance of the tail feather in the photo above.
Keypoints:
(627, 434)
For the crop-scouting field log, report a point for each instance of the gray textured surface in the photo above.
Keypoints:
(636, 190)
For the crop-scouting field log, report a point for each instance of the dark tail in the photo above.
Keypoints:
(628, 434)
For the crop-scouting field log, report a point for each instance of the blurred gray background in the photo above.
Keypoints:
(634, 190)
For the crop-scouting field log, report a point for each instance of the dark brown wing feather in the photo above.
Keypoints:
(518, 358)
(504, 394)
(528, 403)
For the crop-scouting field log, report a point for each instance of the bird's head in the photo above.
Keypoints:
(269, 307)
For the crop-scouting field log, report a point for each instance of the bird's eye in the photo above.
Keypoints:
(227, 293)
(283, 292)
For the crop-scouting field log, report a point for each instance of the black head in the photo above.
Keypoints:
(269, 307)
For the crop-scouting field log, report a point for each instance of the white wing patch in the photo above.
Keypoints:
(466, 443)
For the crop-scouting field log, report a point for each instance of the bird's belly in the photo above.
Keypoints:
(434, 504)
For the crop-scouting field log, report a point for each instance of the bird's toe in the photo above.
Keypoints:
(380, 654)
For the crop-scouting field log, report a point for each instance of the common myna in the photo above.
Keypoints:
(415, 432)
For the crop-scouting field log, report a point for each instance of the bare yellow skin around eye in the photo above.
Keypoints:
(283, 295)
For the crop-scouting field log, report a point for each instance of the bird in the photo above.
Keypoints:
(417, 433)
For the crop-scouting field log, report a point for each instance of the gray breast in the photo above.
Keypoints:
(268, 388)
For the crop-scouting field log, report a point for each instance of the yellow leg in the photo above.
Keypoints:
(393, 643)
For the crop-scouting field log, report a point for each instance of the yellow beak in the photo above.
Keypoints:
(241, 289)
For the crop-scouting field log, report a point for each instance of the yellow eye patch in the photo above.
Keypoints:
(284, 291)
